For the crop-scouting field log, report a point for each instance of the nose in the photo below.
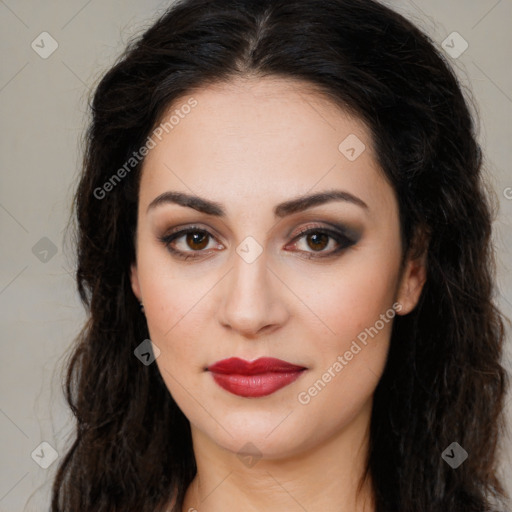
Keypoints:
(253, 299)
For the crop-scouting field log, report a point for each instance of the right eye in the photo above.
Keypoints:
(195, 238)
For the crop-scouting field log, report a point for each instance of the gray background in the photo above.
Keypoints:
(43, 104)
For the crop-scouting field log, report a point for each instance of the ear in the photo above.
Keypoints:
(134, 279)
(411, 284)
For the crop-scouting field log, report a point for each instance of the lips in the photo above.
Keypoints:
(256, 378)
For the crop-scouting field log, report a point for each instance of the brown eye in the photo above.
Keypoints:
(187, 243)
(317, 241)
(197, 240)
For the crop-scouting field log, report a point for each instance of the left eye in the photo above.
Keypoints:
(197, 239)
(318, 239)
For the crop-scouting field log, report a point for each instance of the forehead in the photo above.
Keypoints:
(265, 138)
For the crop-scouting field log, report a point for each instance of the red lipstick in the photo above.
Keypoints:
(256, 378)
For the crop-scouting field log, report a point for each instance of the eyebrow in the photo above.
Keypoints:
(289, 207)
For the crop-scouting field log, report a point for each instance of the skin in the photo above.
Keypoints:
(249, 145)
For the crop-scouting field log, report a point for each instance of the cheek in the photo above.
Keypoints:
(175, 325)
(355, 306)
(175, 315)
(348, 364)
(351, 298)
(175, 309)
(172, 292)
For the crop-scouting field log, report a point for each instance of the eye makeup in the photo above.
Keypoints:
(315, 236)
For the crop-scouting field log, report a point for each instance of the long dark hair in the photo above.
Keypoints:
(443, 381)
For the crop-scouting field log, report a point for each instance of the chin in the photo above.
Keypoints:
(268, 436)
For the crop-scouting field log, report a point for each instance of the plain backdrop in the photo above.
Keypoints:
(43, 103)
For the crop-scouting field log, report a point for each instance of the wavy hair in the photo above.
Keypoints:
(443, 380)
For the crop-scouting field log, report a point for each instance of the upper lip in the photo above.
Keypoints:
(235, 365)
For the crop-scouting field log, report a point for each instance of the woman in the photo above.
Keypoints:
(284, 248)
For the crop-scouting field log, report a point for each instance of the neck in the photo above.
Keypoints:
(325, 477)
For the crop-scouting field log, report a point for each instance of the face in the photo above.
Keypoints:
(263, 272)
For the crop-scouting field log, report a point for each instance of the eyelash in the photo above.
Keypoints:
(343, 241)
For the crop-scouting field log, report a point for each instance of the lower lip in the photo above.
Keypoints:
(255, 385)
